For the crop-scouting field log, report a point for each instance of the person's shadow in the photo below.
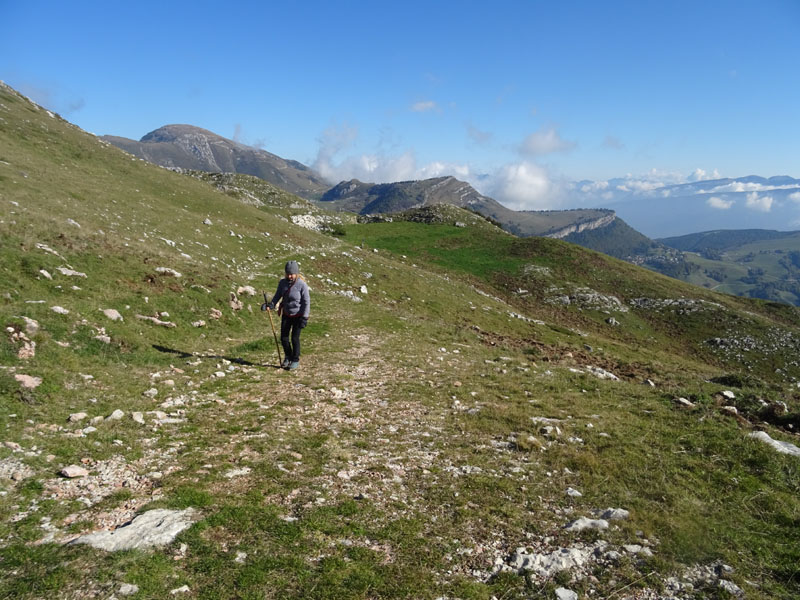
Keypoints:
(233, 359)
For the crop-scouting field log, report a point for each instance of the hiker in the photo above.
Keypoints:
(295, 305)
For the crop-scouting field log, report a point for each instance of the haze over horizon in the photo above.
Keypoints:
(521, 101)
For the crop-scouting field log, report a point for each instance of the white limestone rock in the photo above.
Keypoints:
(154, 528)
(584, 523)
(615, 514)
(70, 272)
(28, 381)
(168, 272)
(777, 445)
(565, 594)
(74, 471)
(249, 290)
(112, 314)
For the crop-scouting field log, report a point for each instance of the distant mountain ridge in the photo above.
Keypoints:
(190, 147)
(369, 198)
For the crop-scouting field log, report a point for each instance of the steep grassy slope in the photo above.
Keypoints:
(447, 399)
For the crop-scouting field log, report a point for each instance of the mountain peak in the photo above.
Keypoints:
(195, 148)
(170, 133)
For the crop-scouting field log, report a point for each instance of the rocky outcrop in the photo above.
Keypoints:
(581, 226)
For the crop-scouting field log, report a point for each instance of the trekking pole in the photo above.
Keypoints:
(275, 335)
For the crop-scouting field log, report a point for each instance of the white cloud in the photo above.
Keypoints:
(701, 175)
(759, 203)
(424, 106)
(594, 187)
(545, 141)
(795, 197)
(370, 168)
(639, 185)
(521, 186)
(741, 186)
(719, 203)
(441, 169)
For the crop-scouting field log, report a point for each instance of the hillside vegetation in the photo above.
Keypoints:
(475, 416)
(756, 263)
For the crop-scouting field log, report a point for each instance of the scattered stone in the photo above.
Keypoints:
(154, 528)
(115, 416)
(13, 446)
(27, 381)
(237, 472)
(112, 314)
(151, 393)
(199, 323)
(683, 402)
(103, 338)
(28, 348)
(15, 470)
(637, 549)
(547, 565)
(206, 221)
(59, 310)
(573, 493)
(77, 417)
(235, 303)
(128, 589)
(728, 395)
(240, 557)
(730, 587)
(730, 410)
(649, 382)
(156, 321)
(138, 417)
(602, 373)
(73, 471)
(246, 289)
(168, 272)
(615, 514)
(585, 523)
(612, 321)
(779, 446)
(31, 326)
(363, 289)
(184, 589)
(45, 274)
(70, 272)
(565, 594)
(216, 313)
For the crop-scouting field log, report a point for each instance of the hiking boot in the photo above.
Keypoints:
(285, 364)
(294, 364)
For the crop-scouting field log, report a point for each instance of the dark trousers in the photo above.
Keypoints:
(290, 337)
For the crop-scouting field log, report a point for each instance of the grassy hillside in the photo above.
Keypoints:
(454, 386)
(618, 239)
(754, 263)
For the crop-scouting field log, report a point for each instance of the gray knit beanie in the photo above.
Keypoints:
(292, 267)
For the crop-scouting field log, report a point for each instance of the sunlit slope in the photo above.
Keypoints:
(455, 382)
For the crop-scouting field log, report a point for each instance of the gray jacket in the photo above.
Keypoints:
(296, 300)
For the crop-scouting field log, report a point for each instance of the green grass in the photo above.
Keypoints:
(385, 467)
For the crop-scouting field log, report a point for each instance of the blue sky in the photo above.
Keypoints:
(519, 98)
